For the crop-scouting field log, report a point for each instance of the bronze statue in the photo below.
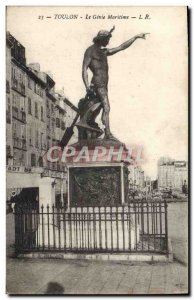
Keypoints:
(95, 58)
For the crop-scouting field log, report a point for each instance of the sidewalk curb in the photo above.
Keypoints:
(101, 256)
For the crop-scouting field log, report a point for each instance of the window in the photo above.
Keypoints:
(23, 134)
(57, 122)
(13, 100)
(33, 160)
(8, 104)
(48, 124)
(48, 109)
(62, 125)
(37, 136)
(8, 112)
(29, 106)
(57, 114)
(15, 154)
(38, 90)
(36, 110)
(53, 126)
(42, 140)
(14, 129)
(29, 83)
(42, 119)
(22, 103)
(12, 72)
(21, 159)
(7, 86)
(30, 137)
(40, 161)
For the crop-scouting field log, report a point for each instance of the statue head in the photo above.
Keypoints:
(103, 37)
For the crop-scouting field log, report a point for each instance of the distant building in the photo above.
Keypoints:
(148, 184)
(180, 174)
(136, 177)
(66, 114)
(166, 175)
(172, 174)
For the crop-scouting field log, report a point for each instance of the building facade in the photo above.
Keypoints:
(36, 120)
(36, 116)
(172, 174)
(16, 104)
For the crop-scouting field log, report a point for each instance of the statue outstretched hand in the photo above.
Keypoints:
(142, 35)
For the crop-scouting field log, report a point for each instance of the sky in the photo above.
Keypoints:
(147, 82)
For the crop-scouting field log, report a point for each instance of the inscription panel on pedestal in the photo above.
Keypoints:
(95, 186)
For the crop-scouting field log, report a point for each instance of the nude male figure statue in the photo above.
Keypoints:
(95, 58)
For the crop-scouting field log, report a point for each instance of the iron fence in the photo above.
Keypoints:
(136, 227)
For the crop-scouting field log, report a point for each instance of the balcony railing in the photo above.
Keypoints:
(8, 151)
(15, 112)
(43, 146)
(19, 143)
(19, 86)
(8, 117)
(18, 114)
(7, 87)
(23, 141)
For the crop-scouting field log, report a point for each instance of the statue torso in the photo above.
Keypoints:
(99, 67)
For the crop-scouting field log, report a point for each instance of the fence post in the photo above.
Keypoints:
(48, 226)
(142, 221)
(64, 227)
(117, 228)
(148, 225)
(166, 223)
(123, 226)
(129, 217)
(53, 213)
(111, 228)
(100, 228)
(42, 213)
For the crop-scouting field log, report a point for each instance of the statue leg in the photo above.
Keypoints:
(103, 95)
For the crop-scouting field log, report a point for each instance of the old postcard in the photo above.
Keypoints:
(97, 150)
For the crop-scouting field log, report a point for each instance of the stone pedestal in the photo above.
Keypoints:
(103, 182)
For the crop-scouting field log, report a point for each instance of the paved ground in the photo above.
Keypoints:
(178, 230)
(43, 276)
